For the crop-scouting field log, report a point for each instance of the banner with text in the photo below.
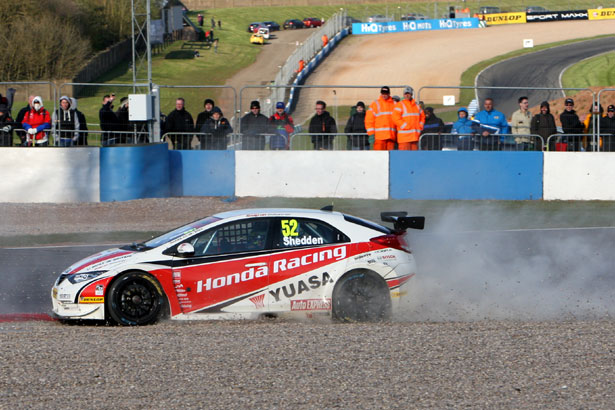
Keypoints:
(601, 14)
(556, 16)
(503, 18)
(414, 25)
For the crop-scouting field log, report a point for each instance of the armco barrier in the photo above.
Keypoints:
(49, 175)
(465, 175)
(319, 174)
(134, 172)
(202, 173)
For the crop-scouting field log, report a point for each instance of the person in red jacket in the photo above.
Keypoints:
(35, 122)
(379, 121)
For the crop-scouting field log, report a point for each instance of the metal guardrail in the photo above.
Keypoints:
(581, 142)
(477, 142)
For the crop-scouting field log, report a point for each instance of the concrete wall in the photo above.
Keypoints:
(320, 174)
(49, 174)
(579, 176)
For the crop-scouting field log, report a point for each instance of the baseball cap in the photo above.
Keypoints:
(279, 104)
(408, 90)
(569, 101)
(385, 90)
(611, 108)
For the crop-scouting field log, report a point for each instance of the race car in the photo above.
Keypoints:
(246, 264)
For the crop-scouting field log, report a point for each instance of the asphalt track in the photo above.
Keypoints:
(506, 274)
(539, 69)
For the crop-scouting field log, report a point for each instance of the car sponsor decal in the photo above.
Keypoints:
(96, 299)
(94, 290)
(296, 288)
(310, 304)
(95, 261)
(394, 283)
(259, 301)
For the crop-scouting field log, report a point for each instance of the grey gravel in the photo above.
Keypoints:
(282, 364)
(286, 364)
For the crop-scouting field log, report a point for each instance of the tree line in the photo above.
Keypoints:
(53, 39)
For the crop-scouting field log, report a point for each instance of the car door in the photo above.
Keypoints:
(229, 269)
(308, 254)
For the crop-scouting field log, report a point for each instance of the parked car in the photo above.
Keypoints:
(253, 27)
(272, 25)
(248, 264)
(414, 16)
(489, 10)
(379, 18)
(293, 24)
(257, 38)
(311, 22)
(264, 31)
(535, 9)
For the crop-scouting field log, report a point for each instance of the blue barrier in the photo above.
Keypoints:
(202, 173)
(414, 25)
(465, 175)
(134, 172)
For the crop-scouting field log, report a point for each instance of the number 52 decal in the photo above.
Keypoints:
(289, 227)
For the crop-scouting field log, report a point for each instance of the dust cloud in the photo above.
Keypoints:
(526, 274)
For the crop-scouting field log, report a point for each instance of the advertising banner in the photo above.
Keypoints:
(503, 18)
(601, 14)
(556, 16)
(413, 25)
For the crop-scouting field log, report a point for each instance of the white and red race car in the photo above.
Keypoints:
(247, 264)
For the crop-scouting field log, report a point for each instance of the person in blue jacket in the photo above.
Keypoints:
(491, 122)
(466, 129)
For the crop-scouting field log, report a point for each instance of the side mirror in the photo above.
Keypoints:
(185, 249)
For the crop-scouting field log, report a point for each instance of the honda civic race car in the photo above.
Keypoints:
(247, 264)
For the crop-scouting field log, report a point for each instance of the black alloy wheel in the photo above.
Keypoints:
(361, 296)
(135, 298)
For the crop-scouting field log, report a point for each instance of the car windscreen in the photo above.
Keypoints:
(181, 231)
(367, 224)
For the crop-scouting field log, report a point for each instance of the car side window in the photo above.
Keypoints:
(300, 232)
(235, 237)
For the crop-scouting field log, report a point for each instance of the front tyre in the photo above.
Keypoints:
(361, 296)
(135, 298)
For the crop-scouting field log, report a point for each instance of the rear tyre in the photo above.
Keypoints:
(135, 298)
(361, 296)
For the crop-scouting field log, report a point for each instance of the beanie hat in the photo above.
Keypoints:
(255, 104)
(544, 104)
(361, 104)
(216, 110)
(209, 101)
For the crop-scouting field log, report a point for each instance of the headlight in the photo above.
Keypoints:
(82, 277)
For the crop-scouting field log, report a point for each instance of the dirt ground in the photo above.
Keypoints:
(426, 58)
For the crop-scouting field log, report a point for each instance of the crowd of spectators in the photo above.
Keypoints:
(388, 123)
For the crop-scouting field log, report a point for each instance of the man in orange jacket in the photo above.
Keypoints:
(409, 119)
(379, 121)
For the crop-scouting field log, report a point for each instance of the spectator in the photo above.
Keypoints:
(325, 123)
(466, 129)
(208, 104)
(213, 23)
(199, 19)
(220, 24)
(217, 128)
(6, 126)
(597, 111)
(283, 126)
(409, 120)
(433, 125)
(396, 98)
(607, 126)
(216, 46)
(180, 122)
(36, 121)
(571, 125)
(379, 121)
(254, 126)
(108, 121)
(83, 125)
(492, 122)
(520, 124)
(356, 125)
(543, 124)
(19, 120)
(66, 122)
(123, 121)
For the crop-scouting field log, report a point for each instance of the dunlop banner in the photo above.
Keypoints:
(503, 18)
(601, 14)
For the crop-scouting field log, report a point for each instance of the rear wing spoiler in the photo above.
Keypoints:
(401, 222)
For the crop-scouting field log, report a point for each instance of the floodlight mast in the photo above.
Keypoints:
(142, 61)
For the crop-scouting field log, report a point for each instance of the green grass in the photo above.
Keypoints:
(595, 71)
